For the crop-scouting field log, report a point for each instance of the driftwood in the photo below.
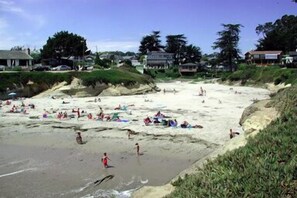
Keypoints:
(99, 181)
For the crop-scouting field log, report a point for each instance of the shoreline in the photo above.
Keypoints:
(162, 147)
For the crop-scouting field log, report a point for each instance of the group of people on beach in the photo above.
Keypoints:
(105, 158)
(19, 109)
(160, 119)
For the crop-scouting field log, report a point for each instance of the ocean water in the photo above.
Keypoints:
(28, 171)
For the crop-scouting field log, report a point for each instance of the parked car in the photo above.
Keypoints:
(61, 68)
(2, 67)
(41, 68)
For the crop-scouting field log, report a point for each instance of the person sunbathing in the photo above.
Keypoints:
(173, 123)
(65, 115)
(100, 116)
(159, 115)
(118, 107)
(107, 117)
(185, 124)
(147, 121)
(90, 116)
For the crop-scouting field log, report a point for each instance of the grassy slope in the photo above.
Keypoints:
(267, 165)
(112, 76)
(259, 75)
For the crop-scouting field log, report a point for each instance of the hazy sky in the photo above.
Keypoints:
(121, 24)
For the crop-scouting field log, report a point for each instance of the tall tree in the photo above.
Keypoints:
(176, 44)
(18, 48)
(193, 54)
(280, 35)
(227, 43)
(64, 43)
(264, 29)
(36, 55)
(150, 43)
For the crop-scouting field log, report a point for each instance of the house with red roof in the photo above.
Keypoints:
(264, 57)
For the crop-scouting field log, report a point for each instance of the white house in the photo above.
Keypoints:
(158, 60)
(15, 58)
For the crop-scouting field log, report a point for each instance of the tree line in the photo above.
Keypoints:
(175, 44)
(227, 43)
(278, 35)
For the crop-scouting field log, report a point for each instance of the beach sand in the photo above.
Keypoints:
(40, 157)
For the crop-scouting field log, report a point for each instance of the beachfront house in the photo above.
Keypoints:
(263, 57)
(158, 60)
(11, 59)
(188, 68)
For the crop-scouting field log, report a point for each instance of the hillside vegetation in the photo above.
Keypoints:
(41, 81)
(267, 165)
(251, 74)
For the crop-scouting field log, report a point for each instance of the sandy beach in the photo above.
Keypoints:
(39, 157)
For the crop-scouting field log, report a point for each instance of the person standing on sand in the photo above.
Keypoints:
(137, 148)
(129, 132)
(104, 160)
(79, 138)
(233, 133)
(78, 113)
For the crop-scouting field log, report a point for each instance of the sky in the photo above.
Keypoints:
(110, 25)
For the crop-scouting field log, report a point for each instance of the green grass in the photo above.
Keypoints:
(265, 167)
(113, 76)
(250, 74)
(44, 80)
(19, 79)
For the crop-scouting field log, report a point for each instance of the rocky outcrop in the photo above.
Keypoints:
(275, 88)
(257, 116)
(118, 90)
(76, 89)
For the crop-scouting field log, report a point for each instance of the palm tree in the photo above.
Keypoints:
(176, 44)
(193, 54)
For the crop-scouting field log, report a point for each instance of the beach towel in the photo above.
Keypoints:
(34, 117)
(123, 120)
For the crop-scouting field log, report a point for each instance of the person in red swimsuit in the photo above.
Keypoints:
(104, 160)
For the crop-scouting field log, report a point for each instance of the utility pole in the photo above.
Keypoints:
(83, 54)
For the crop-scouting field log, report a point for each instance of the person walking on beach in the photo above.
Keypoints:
(129, 132)
(79, 138)
(137, 148)
(104, 160)
(233, 133)
(78, 113)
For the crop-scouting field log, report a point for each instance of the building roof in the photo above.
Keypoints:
(158, 52)
(189, 64)
(264, 52)
(293, 53)
(20, 55)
